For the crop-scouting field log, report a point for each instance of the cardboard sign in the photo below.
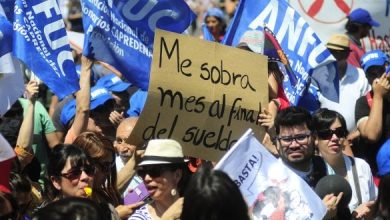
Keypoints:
(202, 94)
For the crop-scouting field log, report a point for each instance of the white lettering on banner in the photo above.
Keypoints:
(100, 5)
(46, 7)
(99, 21)
(126, 10)
(20, 28)
(53, 27)
(62, 57)
(152, 21)
(289, 28)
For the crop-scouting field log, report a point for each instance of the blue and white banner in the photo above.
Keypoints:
(40, 41)
(301, 45)
(268, 186)
(6, 32)
(8, 8)
(121, 32)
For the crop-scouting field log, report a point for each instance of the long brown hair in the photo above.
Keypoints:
(98, 147)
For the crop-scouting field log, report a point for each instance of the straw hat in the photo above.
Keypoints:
(338, 42)
(162, 151)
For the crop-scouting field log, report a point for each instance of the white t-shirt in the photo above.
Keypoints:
(352, 86)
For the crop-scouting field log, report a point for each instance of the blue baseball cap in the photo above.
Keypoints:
(137, 103)
(362, 16)
(383, 159)
(99, 95)
(373, 58)
(215, 12)
(113, 83)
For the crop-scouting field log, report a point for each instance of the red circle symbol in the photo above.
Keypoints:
(326, 11)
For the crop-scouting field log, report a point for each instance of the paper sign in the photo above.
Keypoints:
(202, 94)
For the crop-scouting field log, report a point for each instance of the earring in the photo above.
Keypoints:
(173, 192)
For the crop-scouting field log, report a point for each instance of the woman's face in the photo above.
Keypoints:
(213, 25)
(330, 140)
(160, 181)
(73, 180)
(103, 168)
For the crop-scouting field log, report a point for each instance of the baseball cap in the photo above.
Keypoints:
(362, 16)
(373, 58)
(99, 95)
(383, 159)
(338, 42)
(254, 40)
(113, 83)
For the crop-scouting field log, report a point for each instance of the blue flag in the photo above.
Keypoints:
(8, 8)
(302, 46)
(40, 41)
(121, 32)
(5, 36)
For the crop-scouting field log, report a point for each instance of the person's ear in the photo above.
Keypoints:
(56, 182)
(315, 138)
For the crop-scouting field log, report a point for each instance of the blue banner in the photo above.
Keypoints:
(5, 36)
(8, 8)
(302, 46)
(40, 41)
(121, 32)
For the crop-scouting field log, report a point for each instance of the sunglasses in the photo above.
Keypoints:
(327, 134)
(152, 171)
(76, 173)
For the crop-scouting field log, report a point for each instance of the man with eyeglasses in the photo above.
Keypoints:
(372, 111)
(295, 142)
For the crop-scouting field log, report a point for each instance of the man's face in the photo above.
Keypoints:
(295, 144)
(124, 149)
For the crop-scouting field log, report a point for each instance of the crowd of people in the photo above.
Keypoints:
(75, 159)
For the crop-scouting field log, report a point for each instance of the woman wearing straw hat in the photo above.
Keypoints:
(165, 174)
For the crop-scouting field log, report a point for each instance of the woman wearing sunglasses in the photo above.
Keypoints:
(165, 174)
(69, 171)
(102, 154)
(331, 132)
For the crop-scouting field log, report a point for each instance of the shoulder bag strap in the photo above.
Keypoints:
(356, 180)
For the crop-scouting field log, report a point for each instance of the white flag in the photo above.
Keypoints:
(271, 190)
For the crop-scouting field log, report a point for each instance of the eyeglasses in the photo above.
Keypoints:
(299, 138)
(152, 171)
(76, 173)
(327, 134)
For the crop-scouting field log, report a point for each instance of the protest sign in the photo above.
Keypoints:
(202, 94)
(302, 46)
(121, 32)
(40, 41)
(268, 186)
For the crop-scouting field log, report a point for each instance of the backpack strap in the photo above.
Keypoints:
(356, 180)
